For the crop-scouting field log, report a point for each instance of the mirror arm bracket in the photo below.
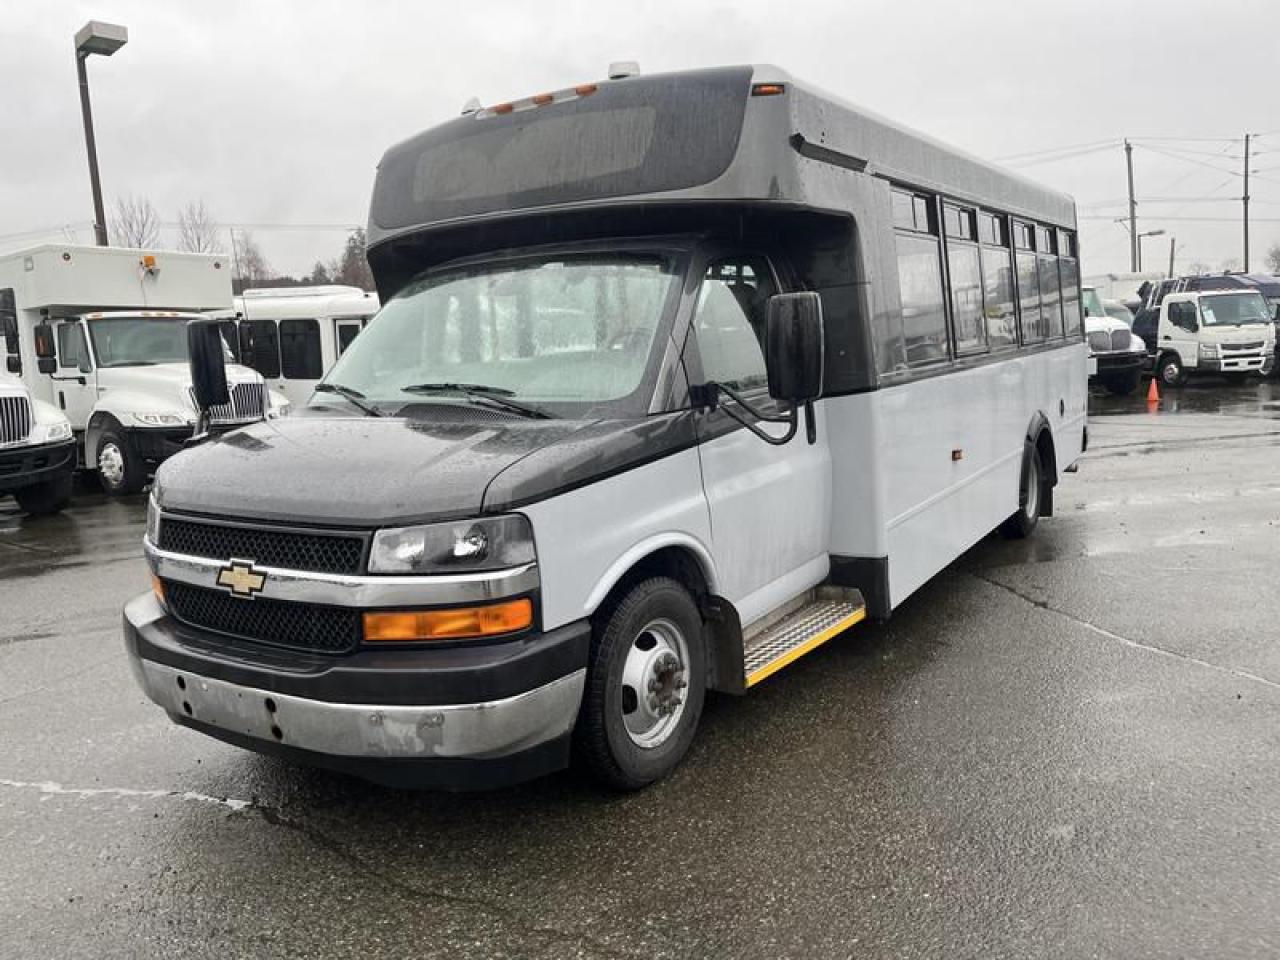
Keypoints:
(710, 392)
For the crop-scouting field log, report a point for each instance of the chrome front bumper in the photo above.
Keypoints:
(455, 731)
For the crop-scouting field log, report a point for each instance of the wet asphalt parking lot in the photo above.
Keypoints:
(1066, 747)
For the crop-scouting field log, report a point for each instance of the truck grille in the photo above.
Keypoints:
(277, 622)
(15, 419)
(1099, 341)
(266, 546)
(248, 403)
(1242, 347)
(1119, 339)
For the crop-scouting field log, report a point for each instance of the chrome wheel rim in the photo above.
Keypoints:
(654, 683)
(1032, 509)
(1171, 372)
(111, 464)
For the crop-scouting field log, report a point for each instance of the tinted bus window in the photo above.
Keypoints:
(966, 298)
(1050, 297)
(1069, 272)
(997, 277)
(924, 315)
(1029, 298)
(300, 349)
(260, 347)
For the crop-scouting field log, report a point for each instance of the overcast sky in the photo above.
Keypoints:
(275, 113)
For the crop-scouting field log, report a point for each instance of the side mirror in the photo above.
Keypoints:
(8, 316)
(208, 367)
(13, 364)
(46, 352)
(794, 346)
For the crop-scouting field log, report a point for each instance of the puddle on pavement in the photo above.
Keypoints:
(1254, 398)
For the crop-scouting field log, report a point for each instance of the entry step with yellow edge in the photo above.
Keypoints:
(804, 624)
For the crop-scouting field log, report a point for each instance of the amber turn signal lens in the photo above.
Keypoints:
(768, 89)
(585, 89)
(157, 588)
(542, 99)
(457, 623)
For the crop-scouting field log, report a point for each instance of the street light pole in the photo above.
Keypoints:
(1138, 240)
(104, 39)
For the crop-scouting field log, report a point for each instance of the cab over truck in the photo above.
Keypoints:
(1228, 333)
(37, 453)
(100, 335)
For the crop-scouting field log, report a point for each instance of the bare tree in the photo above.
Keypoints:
(1231, 265)
(1273, 258)
(1198, 268)
(250, 266)
(198, 229)
(135, 223)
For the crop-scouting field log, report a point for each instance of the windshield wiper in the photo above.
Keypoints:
(353, 397)
(478, 391)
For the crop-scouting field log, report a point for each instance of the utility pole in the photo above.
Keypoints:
(1172, 242)
(1246, 203)
(1133, 211)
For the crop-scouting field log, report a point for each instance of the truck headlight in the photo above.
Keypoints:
(464, 546)
(1208, 351)
(161, 419)
(50, 432)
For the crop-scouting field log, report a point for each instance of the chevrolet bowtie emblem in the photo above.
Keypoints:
(241, 579)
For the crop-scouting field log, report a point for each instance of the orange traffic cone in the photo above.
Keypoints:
(1153, 395)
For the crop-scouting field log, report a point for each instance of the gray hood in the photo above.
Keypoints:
(369, 471)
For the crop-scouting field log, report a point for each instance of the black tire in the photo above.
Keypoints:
(1123, 384)
(122, 478)
(1031, 494)
(1170, 371)
(601, 737)
(45, 498)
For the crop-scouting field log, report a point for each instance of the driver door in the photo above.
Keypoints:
(75, 383)
(770, 506)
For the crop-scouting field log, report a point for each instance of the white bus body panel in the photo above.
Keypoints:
(899, 492)
(588, 538)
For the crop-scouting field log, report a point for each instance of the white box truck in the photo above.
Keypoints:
(101, 337)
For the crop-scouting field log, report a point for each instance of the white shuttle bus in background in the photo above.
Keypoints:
(101, 335)
(677, 377)
(292, 335)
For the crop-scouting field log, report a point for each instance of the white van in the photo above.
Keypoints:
(1229, 333)
(292, 335)
(101, 335)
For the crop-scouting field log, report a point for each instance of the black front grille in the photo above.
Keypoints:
(265, 546)
(277, 622)
(1244, 347)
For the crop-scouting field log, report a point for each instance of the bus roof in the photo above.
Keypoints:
(743, 134)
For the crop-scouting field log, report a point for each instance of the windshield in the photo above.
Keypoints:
(1228, 309)
(560, 334)
(139, 341)
(1093, 303)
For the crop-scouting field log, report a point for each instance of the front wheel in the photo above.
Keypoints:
(45, 498)
(120, 470)
(1170, 370)
(1030, 494)
(646, 681)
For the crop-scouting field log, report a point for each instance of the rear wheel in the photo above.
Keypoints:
(48, 497)
(646, 681)
(1030, 496)
(120, 469)
(1170, 370)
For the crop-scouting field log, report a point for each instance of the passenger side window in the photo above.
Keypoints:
(71, 346)
(729, 321)
(300, 349)
(260, 347)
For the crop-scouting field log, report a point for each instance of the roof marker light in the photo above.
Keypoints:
(767, 89)
(542, 99)
(585, 89)
(502, 108)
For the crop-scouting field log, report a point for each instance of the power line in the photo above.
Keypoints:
(1163, 218)
(1070, 148)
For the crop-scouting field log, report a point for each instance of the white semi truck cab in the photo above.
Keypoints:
(100, 336)
(1228, 333)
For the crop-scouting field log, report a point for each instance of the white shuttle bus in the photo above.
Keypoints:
(292, 335)
(677, 378)
(100, 334)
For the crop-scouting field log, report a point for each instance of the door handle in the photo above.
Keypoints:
(1167, 337)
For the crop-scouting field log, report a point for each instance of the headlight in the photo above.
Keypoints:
(50, 432)
(467, 546)
(153, 520)
(161, 419)
(1208, 351)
